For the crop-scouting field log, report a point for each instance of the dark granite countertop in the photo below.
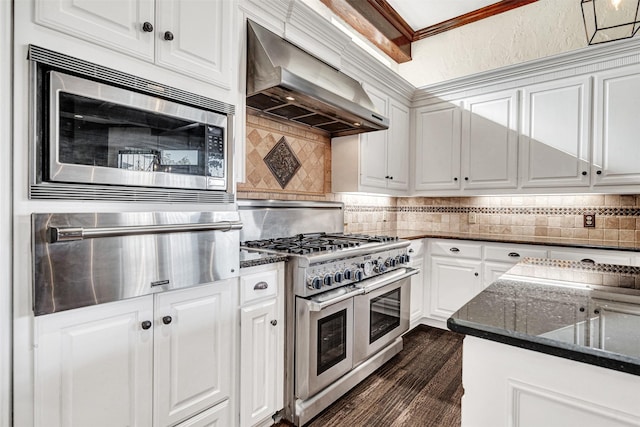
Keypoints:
(505, 238)
(587, 313)
(251, 259)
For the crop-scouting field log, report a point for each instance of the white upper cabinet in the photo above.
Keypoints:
(617, 127)
(490, 141)
(191, 37)
(375, 162)
(555, 143)
(117, 24)
(437, 157)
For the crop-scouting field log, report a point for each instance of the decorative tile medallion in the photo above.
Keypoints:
(282, 162)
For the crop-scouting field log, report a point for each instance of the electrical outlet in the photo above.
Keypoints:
(472, 218)
(589, 220)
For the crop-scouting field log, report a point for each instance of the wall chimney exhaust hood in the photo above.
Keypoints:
(288, 83)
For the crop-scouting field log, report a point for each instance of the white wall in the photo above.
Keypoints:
(537, 30)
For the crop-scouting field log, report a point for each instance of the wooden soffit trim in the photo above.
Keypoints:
(352, 17)
(476, 15)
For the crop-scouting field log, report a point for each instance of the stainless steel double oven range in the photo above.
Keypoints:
(347, 298)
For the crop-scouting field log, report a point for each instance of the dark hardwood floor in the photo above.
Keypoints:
(420, 387)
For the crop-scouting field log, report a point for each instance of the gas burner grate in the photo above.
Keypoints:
(309, 243)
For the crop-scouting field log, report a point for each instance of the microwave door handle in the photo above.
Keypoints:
(394, 276)
(66, 234)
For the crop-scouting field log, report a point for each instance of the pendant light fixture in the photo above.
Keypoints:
(609, 20)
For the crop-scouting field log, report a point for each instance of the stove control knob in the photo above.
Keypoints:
(314, 283)
(399, 259)
(358, 275)
(328, 279)
(348, 274)
(380, 268)
(367, 268)
(390, 262)
(337, 277)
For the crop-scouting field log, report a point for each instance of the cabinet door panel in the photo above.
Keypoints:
(93, 366)
(617, 152)
(438, 147)
(417, 292)
(116, 24)
(192, 351)
(490, 141)
(398, 148)
(259, 340)
(555, 143)
(373, 148)
(453, 283)
(202, 38)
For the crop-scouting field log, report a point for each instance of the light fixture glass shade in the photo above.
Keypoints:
(608, 20)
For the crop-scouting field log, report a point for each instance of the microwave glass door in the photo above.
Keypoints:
(110, 135)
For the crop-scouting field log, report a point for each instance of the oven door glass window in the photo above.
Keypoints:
(96, 132)
(384, 314)
(332, 340)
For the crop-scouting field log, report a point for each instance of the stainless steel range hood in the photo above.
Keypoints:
(288, 83)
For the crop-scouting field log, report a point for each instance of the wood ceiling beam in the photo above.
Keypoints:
(353, 18)
(470, 17)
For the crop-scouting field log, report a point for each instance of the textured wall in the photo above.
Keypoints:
(537, 30)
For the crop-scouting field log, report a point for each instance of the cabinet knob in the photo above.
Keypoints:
(587, 261)
(386, 177)
(581, 309)
(476, 274)
(390, 177)
(584, 173)
(168, 36)
(514, 254)
(454, 250)
(466, 178)
(455, 178)
(599, 172)
(596, 311)
(274, 322)
(147, 27)
(166, 320)
(145, 325)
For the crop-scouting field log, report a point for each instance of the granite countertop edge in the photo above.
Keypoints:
(409, 234)
(590, 356)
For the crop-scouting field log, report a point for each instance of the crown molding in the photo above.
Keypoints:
(582, 61)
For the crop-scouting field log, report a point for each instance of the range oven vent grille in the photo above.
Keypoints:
(105, 74)
(54, 191)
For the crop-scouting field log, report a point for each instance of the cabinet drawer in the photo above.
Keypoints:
(457, 249)
(258, 285)
(597, 257)
(511, 254)
(416, 248)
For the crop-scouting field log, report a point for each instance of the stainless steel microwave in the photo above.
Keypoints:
(97, 132)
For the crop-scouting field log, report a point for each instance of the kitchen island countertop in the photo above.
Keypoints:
(586, 313)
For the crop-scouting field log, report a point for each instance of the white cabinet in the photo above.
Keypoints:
(376, 162)
(191, 37)
(416, 253)
(555, 143)
(499, 258)
(591, 256)
(490, 141)
(437, 134)
(261, 343)
(147, 361)
(455, 276)
(470, 144)
(192, 331)
(616, 148)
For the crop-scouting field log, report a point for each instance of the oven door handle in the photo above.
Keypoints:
(319, 306)
(388, 278)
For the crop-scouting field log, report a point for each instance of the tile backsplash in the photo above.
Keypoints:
(554, 216)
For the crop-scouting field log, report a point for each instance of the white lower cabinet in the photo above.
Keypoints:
(416, 252)
(261, 344)
(454, 281)
(510, 386)
(147, 361)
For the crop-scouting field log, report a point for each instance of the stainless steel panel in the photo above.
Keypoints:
(362, 348)
(307, 381)
(72, 274)
(266, 219)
